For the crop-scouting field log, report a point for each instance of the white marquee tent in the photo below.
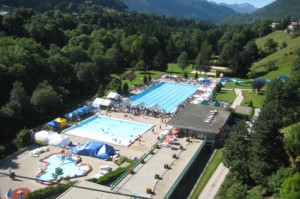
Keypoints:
(52, 138)
(113, 95)
(101, 102)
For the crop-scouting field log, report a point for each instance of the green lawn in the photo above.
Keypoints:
(257, 100)
(283, 58)
(226, 96)
(207, 173)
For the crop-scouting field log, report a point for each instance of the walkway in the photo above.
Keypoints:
(212, 187)
(239, 98)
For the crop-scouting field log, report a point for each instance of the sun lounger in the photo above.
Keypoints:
(105, 168)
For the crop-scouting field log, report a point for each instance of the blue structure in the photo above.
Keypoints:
(94, 149)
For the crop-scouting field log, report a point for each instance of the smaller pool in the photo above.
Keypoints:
(67, 164)
(109, 130)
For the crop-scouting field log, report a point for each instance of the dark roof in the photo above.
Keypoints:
(193, 117)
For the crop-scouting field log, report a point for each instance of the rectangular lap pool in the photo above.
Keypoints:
(166, 95)
(109, 130)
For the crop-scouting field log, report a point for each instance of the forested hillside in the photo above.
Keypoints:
(49, 60)
(277, 10)
(198, 10)
(63, 5)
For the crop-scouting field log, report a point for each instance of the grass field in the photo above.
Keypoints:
(226, 96)
(207, 173)
(257, 100)
(283, 58)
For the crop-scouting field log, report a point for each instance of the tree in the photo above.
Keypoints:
(2, 151)
(292, 140)
(290, 188)
(130, 76)
(236, 191)
(182, 60)
(119, 89)
(185, 75)
(149, 78)
(100, 92)
(270, 45)
(204, 67)
(58, 172)
(160, 61)
(196, 76)
(276, 179)
(23, 139)
(267, 151)
(125, 88)
(45, 99)
(236, 152)
(145, 80)
(258, 85)
(140, 66)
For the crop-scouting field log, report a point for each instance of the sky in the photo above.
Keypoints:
(256, 3)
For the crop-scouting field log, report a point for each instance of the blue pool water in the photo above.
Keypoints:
(166, 95)
(68, 167)
(109, 130)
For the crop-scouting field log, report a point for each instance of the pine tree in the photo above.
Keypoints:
(267, 153)
(236, 152)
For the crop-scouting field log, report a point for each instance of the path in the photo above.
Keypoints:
(212, 187)
(239, 98)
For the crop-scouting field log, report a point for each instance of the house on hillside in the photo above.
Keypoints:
(294, 26)
(3, 10)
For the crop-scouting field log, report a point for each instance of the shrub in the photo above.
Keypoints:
(121, 160)
(49, 191)
(143, 161)
(157, 146)
(110, 177)
(156, 176)
(149, 190)
(174, 156)
(23, 139)
(188, 140)
(2, 150)
(166, 166)
(131, 171)
(180, 147)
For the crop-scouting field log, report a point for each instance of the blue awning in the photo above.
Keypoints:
(53, 123)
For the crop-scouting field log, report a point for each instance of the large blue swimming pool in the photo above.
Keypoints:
(109, 130)
(166, 95)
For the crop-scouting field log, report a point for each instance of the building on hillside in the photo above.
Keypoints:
(274, 25)
(201, 121)
(4, 10)
(294, 26)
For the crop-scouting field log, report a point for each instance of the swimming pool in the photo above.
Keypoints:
(166, 95)
(67, 165)
(109, 130)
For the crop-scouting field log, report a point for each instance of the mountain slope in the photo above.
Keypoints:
(241, 8)
(73, 5)
(195, 9)
(279, 9)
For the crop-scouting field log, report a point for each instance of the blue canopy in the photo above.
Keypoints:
(94, 149)
(53, 123)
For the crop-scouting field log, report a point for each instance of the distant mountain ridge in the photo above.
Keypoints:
(277, 10)
(195, 9)
(241, 8)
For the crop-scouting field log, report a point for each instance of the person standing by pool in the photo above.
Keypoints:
(78, 160)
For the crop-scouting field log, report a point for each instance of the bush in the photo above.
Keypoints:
(188, 140)
(49, 191)
(180, 147)
(166, 166)
(174, 155)
(143, 161)
(110, 177)
(121, 160)
(156, 176)
(23, 139)
(157, 146)
(131, 171)
(149, 190)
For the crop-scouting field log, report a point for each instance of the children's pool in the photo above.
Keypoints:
(67, 165)
(109, 130)
(166, 95)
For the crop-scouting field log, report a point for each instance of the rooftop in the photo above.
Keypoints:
(194, 117)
